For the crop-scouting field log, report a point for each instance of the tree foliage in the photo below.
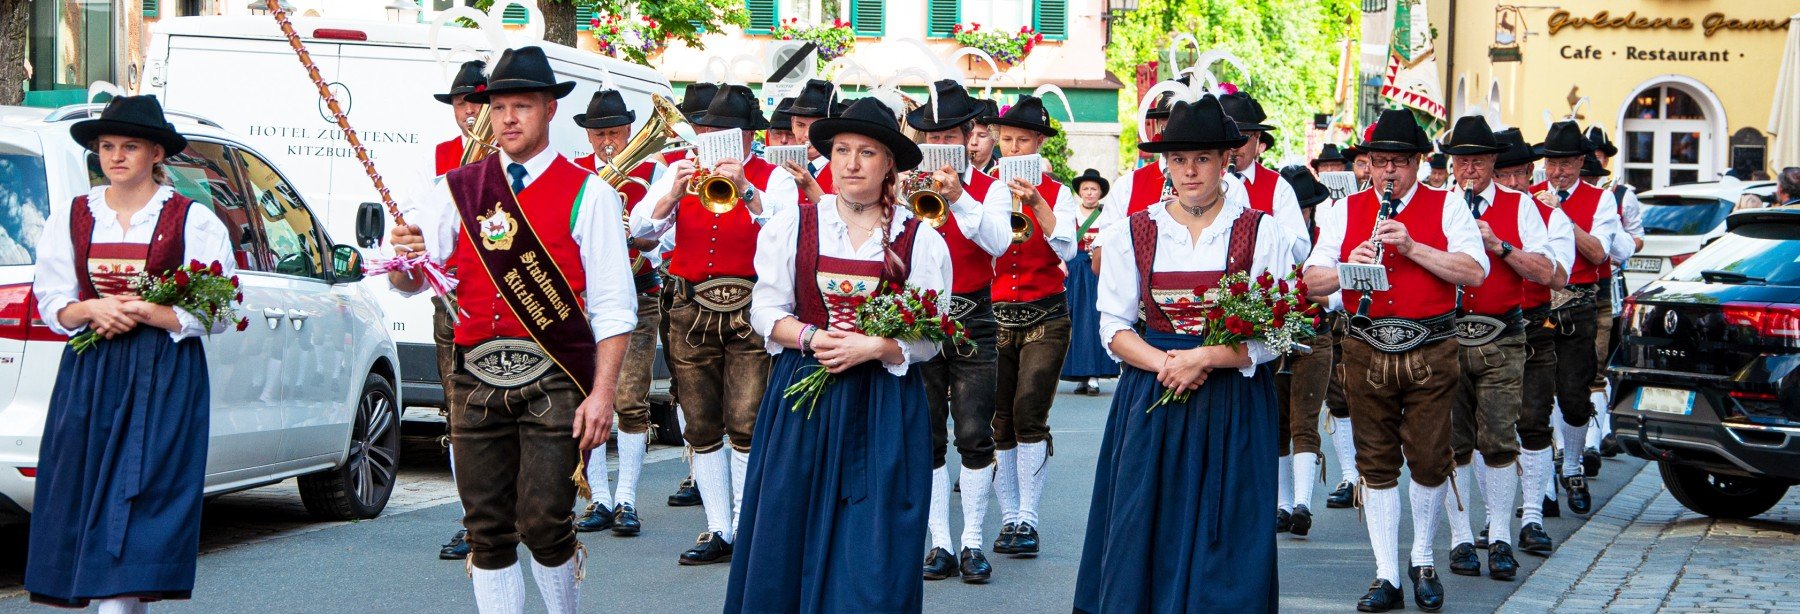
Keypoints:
(676, 20)
(1289, 48)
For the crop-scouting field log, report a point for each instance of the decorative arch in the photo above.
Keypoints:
(1715, 110)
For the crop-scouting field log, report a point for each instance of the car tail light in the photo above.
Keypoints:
(340, 34)
(1770, 321)
(19, 316)
(30, 472)
(1677, 259)
(1752, 396)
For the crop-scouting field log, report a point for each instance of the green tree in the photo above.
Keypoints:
(682, 20)
(1289, 49)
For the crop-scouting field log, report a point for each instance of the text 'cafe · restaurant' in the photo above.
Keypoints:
(1683, 87)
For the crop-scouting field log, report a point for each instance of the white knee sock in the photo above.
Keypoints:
(1476, 460)
(1536, 467)
(499, 591)
(558, 586)
(632, 448)
(1306, 469)
(1460, 533)
(1597, 426)
(596, 477)
(1497, 491)
(740, 466)
(939, 520)
(126, 605)
(450, 450)
(1006, 483)
(712, 474)
(1032, 473)
(1381, 511)
(1426, 502)
(1345, 444)
(1284, 483)
(1574, 442)
(975, 485)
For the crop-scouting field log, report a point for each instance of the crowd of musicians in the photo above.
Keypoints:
(1469, 363)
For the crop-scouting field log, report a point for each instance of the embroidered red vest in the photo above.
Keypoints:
(1173, 302)
(972, 267)
(549, 204)
(1261, 186)
(1031, 271)
(449, 155)
(709, 245)
(1532, 294)
(824, 286)
(1413, 293)
(1583, 202)
(1503, 290)
(101, 268)
(1146, 187)
(823, 176)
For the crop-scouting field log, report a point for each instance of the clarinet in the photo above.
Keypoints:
(1361, 319)
(1469, 196)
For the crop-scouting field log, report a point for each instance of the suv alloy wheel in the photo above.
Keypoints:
(360, 487)
(1718, 495)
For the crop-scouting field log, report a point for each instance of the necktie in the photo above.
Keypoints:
(517, 171)
(1562, 196)
(811, 170)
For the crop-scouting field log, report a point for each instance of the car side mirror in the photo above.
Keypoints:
(371, 223)
(346, 263)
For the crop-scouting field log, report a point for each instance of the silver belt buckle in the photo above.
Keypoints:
(1394, 335)
(1019, 315)
(723, 294)
(507, 363)
(1474, 330)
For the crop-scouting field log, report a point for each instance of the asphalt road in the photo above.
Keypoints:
(390, 565)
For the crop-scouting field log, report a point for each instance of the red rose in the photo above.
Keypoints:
(1282, 286)
(1281, 308)
(181, 278)
(234, 281)
(1265, 280)
(1312, 309)
(1300, 287)
(907, 318)
(1240, 287)
(948, 326)
(216, 268)
(1215, 313)
(243, 323)
(1280, 321)
(195, 266)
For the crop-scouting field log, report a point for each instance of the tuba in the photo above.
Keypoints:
(664, 126)
(481, 138)
(925, 199)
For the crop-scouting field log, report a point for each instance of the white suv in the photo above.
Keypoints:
(307, 390)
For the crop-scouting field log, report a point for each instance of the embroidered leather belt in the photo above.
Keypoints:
(1026, 315)
(1479, 329)
(1401, 335)
(964, 305)
(1535, 316)
(724, 294)
(506, 362)
(1573, 295)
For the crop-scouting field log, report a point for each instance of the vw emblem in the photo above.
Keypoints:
(1670, 321)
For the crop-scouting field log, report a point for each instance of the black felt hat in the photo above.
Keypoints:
(521, 70)
(138, 117)
(1397, 132)
(1590, 167)
(1329, 153)
(989, 108)
(1517, 153)
(1159, 108)
(1563, 141)
(469, 80)
(1306, 187)
(1471, 136)
(1438, 161)
(955, 107)
(816, 99)
(871, 118)
(606, 110)
(1027, 113)
(1092, 176)
(733, 107)
(1246, 111)
(780, 119)
(696, 97)
(1604, 145)
(1198, 126)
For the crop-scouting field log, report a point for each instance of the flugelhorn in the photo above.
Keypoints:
(926, 198)
(1382, 213)
(1022, 228)
(717, 193)
(481, 138)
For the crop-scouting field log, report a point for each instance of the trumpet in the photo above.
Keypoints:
(1388, 205)
(481, 138)
(716, 192)
(925, 196)
(1022, 227)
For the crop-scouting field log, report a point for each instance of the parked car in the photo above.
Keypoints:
(1709, 369)
(1679, 220)
(307, 390)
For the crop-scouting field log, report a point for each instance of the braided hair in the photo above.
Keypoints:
(892, 268)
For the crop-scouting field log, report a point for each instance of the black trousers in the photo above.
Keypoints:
(959, 386)
(1575, 362)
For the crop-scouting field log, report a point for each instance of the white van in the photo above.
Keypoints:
(241, 73)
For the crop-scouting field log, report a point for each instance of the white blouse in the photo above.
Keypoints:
(989, 227)
(1062, 237)
(204, 238)
(1118, 298)
(774, 296)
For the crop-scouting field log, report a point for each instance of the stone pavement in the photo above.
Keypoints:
(1644, 552)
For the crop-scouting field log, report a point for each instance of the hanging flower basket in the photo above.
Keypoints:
(1006, 48)
(635, 40)
(834, 40)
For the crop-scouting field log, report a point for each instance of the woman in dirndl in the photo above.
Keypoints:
(1179, 520)
(833, 511)
(1087, 361)
(123, 458)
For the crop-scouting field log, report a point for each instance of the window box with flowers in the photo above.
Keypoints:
(1007, 49)
(834, 40)
(628, 39)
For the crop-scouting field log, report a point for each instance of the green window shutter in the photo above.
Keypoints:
(868, 17)
(1051, 18)
(584, 17)
(515, 15)
(152, 8)
(764, 16)
(941, 16)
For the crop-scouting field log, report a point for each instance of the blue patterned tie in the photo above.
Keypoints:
(1562, 196)
(518, 176)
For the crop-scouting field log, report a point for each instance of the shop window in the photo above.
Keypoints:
(1679, 105)
(1668, 136)
(71, 44)
(1749, 150)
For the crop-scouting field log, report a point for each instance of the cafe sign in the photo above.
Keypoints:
(1712, 23)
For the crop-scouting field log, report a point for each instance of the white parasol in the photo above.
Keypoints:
(1784, 115)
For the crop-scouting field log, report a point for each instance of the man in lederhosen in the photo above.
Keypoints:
(815, 101)
(1491, 331)
(1135, 190)
(1268, 191)
(1034, 326)
(694, 100)
(959, 382)
(546, 313)
(608, 125)
(1332, 158)
(1597, 242)
(1300, 385)
(1400, 363)
(449, 155)
(1631, 221)
(718, 363)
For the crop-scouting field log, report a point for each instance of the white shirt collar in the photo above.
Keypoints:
(534, 167)
(105, 217)
(828, 217)
(1235, 204)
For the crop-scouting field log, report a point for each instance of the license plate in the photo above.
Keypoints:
(1644, 264)
(1666, 400)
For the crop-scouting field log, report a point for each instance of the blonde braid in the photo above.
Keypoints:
(891, 267)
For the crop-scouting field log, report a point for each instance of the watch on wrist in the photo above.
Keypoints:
(749, 193)
(1506, 249)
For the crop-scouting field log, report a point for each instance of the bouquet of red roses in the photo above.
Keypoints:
(904, 313)
(1270, 310)
(201, 290)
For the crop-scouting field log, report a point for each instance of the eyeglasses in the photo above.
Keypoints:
(1395, 162)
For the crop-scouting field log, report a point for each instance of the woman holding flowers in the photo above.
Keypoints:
(117, 515)
(1179, 520)
(831, 520)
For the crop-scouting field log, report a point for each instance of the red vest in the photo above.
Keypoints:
(709, 245)
(549, 204)
(1534, 295)
(972, 267)
(675, 156)
(1261, 186)
(1146, 187)
(449, 155)
(1583, 202)
(824, 179)
(1413, 293)
(1031, 271)
(1503, 289)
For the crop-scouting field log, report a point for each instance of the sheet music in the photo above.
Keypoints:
(718, 146)
(940, 156)
(1029, 167)
(1363, 277)
(1341, 184)
(786, 153)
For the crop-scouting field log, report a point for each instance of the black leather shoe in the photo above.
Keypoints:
(1609, 446)
(1579, 500)
(1283, 521)
(939, 564)
(1551, 508)
(1341, 497)
(1533, 540)
(1004, 543)
(1081, 387)
(688, 495)
(1464, 561)
(1025, 541)
(1590, 462)
(710, 548)
(1481, 541)
(1302, 521)
(1501, 564)
(975, 568)
(1428, 591)
(457, 549)
(1382, 596)
(625, 520)
(594, 519)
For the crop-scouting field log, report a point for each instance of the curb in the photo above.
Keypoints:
(1577, 557)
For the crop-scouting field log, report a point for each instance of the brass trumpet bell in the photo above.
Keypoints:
(716, 192)
(929, 206)
(664, 126)
(1022, 228)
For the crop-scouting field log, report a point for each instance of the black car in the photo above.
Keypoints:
(1709, 369)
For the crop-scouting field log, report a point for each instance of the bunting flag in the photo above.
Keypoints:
(1411, 79)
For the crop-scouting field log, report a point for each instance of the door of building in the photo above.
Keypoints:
(1667, 139)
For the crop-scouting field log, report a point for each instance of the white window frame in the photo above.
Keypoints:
(1713, 139)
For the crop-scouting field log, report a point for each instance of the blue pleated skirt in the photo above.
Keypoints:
(835, 505)
(1087, 357)
(1180, 518)
(120, 472)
